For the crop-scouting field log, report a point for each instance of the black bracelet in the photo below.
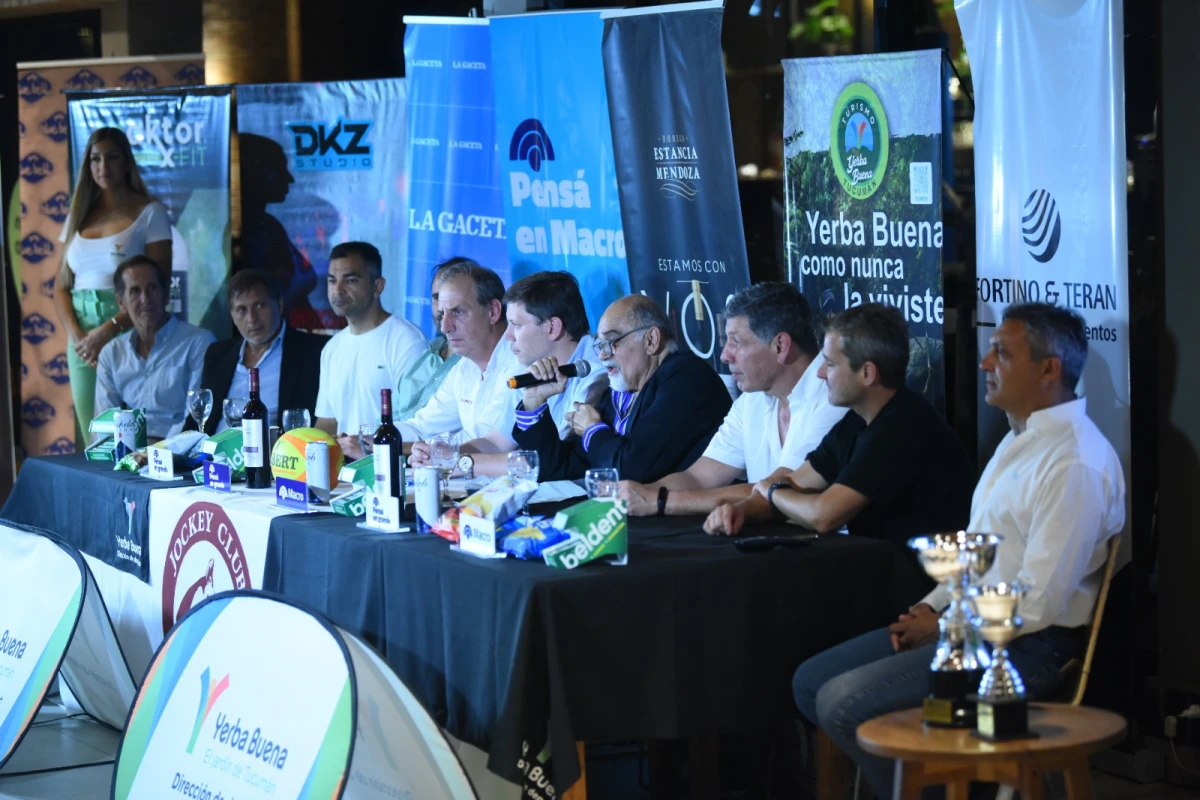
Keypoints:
(662, 500)
(771, 498)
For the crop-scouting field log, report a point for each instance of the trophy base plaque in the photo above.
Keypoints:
(1002, 719)
(947, 705)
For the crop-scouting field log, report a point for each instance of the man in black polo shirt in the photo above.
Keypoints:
(891, 470)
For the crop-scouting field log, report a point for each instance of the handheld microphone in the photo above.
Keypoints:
(576, 369)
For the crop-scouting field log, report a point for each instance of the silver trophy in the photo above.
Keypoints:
(1002, 711)
(955, 560)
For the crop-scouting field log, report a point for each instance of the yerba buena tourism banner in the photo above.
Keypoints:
(862, 183)
(675, 166)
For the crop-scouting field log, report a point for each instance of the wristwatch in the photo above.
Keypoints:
(466, 465)
(771, 498)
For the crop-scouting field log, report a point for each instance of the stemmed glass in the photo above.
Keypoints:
(199, 405)
(601, 482)
(443, 454)
(523, 465)
(296, 418)
(232, 410)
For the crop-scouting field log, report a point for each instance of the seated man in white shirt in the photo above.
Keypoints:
(781, 416)
(370, 354)
(1053, 491)
(474, 400)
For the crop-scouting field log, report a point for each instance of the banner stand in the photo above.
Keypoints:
(54, 624)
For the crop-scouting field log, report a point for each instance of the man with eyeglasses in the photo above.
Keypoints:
(662, 408)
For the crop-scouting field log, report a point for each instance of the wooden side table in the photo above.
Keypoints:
(925, 756)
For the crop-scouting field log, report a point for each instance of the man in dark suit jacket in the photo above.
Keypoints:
(662, 408)
(288, 360)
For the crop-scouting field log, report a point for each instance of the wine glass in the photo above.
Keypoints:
(366, 437)
(523, 465)
(199, 404)
(443, 454)
(601, 482)
(296, 418)
(232, 409)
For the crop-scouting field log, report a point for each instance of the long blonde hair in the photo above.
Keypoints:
(87, 192)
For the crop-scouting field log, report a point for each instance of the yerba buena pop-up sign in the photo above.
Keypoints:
(307, 712)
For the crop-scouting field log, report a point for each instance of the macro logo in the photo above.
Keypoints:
(57, 206)
(48, 287)
(36, 412)
(1041, 225)
(35, 247)
(210, 690)
(36, 329)
(55, 126)
(341, 146)
(62, 446)
(36, 166)
(204, 556)
(33, 87)
(531, 143)
(84, 79)
(858, 140)
(56, 369)
(138, 78)
(190, 73)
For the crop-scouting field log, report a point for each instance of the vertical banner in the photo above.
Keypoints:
(180, 141)
(455, 206)
(557, 173)
(863, 185)
(47, 416)
(675, 166)
(1051, 223)
(321, 164)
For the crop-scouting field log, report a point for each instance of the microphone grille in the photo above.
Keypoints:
(583, 368)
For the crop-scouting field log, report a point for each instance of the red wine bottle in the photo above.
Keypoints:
(254, 438)
(388, 453)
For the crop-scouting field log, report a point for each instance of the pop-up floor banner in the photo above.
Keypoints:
(54, 622)
(252, 697)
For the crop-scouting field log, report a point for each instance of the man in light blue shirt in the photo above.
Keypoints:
(154, 366)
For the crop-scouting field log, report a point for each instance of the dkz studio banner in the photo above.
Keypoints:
(862, 179)
(180, 140)
(321, 164)
(1051, 225)
(675, 164)
(557, 173)
(455, 205)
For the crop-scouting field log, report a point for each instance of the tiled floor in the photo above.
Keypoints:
(53, 741)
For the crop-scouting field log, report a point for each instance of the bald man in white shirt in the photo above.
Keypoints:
(1055, 494)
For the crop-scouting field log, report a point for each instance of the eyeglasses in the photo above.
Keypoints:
(604, 348)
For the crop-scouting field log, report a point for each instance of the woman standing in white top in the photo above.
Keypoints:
(112, 218)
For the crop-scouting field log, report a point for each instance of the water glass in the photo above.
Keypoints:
(199, 404)
(232, 408)
(366, 437)
(443, 454)
(296, 418)
(523, 465)
(601, 482)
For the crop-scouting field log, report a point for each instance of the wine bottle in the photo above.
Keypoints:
(254, 433)
(388, 451)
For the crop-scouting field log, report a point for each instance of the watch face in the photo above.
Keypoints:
(465, 463)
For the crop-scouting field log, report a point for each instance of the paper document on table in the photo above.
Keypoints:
(557, 492)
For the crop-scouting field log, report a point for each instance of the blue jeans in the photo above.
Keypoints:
(861, 679)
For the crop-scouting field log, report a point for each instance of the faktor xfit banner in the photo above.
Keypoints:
(1051, 220)
(455, 207)
(675, 165)
(556, 153)
(321, 164)
(180, 140)
(863, 185)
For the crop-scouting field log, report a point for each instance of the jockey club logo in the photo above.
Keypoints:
(36, 329)
(57, 206)
(36, 247)
(83, 80)
(190, 73)
(204, 556)
(35, 166)
(36, 412)
(138, 78)
(858, 140)
(55, 127)
(56, 369)
(60, 447)
(1041, 225)
(33, 87)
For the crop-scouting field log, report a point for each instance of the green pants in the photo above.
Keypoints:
(92, 307)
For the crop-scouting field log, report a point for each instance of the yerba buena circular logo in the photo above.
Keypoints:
(858, 140)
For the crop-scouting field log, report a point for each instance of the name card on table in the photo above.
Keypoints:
(162, 463)
(291, 494)
(383, 513)
(217, 477)
(477, 536)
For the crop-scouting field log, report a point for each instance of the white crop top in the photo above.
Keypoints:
(93, 261)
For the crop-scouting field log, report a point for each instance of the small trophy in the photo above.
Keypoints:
(955, 559)
(1002, 710)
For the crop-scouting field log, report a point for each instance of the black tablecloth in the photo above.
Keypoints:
(103, 512)
(692, 637)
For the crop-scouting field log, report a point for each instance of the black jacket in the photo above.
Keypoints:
(299, 374)
(672, 420)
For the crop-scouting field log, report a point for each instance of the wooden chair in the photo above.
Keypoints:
(1084, 667)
